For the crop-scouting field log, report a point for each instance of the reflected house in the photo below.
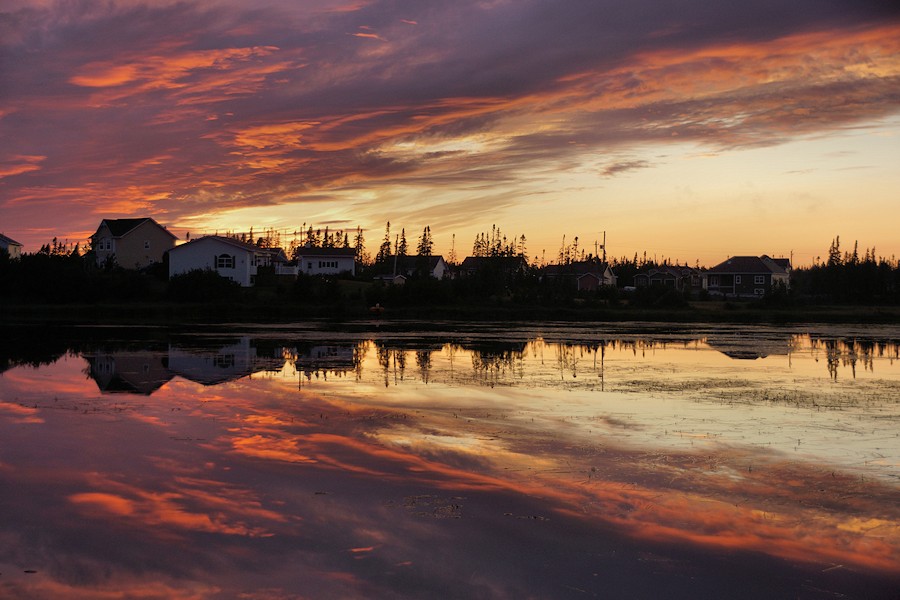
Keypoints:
(747, 276)
(129, 372)
(331, 358)
(743, 348)
(226, 363)
(229, 257)
(12, 247)
(131, 243)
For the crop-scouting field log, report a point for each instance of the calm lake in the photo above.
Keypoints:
(433, 460)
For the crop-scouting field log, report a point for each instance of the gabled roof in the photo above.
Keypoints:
(308, 251)
(225, 240)
(122, 227)
(8, 241)
(411, 263)
(784, 263)
(747, 264)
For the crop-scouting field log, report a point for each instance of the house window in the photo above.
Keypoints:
(146, 244)
(225, 261)
(224, 361)
(759, 291)
(759, 279)
(737, 279)
(714, 280)
(309, 266)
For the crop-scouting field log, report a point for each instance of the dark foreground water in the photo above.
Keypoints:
(373, 460)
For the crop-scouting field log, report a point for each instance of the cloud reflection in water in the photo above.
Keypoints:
(532, 468)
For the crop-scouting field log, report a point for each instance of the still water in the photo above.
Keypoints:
(376, 460)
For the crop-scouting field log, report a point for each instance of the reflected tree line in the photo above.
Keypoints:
(143, 361)
(853, 354)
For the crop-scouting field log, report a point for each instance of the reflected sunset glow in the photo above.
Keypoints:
(329, 457)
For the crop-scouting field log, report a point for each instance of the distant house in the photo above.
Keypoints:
(501, 265)
(391, 279)
(747, 276)
(406, 266)
(585, 275)
(681, 278)
(131, 243)
(230, 258)
(12, 247)
(326, 261)
(277, 259)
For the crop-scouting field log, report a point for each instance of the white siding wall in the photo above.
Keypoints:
(201, 254)
(327, 265)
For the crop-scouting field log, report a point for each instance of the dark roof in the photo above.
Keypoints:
(120, 227)
(9, 241)
(784, 263)
(226, 240)
(474, 263)
(583, 267)
(411, 263)
(307, 251)
(747, 264)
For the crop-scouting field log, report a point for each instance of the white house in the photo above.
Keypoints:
(227, 363)
(326, 261)
(12, 247)
(230, 258)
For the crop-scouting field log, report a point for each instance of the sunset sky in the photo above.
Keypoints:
(690, 129)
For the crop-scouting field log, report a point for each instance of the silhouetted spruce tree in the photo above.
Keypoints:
(426, 245)
(385, 249)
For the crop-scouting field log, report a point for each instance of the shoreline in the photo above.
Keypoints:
(275, 313)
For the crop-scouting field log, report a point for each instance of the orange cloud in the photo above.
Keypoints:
(18, 165)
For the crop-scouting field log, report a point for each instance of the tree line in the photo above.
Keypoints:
(59, 272)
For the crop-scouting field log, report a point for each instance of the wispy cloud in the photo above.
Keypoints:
(222, 106)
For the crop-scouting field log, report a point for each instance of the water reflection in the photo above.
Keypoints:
(554, 463)
(214, 361)
(129, 371)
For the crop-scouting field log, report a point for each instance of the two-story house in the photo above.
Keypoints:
(12, 247)
(131, 243)
(747, 276)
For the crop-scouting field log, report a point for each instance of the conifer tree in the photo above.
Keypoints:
(426, 244)
(385, 249)
(402, 246)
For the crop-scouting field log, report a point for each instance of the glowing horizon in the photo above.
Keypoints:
(694, 133)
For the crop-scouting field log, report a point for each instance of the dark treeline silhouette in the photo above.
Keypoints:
(502, 275)
(54, 275)
(848, 278)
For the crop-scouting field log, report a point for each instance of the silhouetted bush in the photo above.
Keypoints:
(202, 286)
